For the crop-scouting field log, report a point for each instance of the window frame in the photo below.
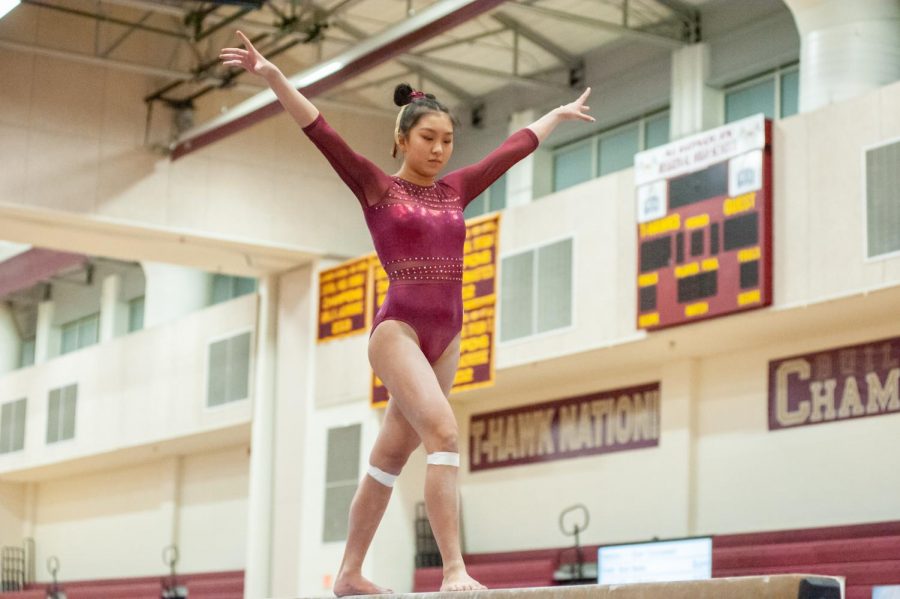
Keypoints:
(22, 345)
(488, 195)
(251, 367)
(132, 303)
(864, 199)
(75, 428)
(573, 301)
(77, 324)
(327, 485)
(592, 141)
(595, 137)
(24, 401)
(232, 281)
(775, 73)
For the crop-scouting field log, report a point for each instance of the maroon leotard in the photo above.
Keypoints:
(419, 232)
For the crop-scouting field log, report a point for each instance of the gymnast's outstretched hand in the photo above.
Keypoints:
(251, 60)
(248, 58)
(576, 110)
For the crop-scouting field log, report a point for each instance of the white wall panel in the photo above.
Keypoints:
(142, 388)
(212, 510)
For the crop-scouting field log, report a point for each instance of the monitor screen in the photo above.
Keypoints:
(656, 561)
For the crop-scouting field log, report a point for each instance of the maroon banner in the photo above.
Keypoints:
(478, 344)
(837, 384)
(593, 424)
(342, 300)
(379, 396)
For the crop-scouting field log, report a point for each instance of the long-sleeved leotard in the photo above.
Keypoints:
(419, 232)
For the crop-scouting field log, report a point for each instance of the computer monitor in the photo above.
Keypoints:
(655, 561)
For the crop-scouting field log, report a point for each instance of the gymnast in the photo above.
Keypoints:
(417, 226)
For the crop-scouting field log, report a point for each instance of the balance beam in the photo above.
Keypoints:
(782, 586)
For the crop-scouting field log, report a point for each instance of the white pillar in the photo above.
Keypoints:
(47, 337)
(172, 292)
(113, 311)
(520, 178)
(292, 533)
(257, 574)
(846, 48)
(694, 106)
(10, 343)
(680, 380)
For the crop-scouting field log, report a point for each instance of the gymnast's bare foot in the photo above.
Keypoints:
(459, 580)
(354, 584)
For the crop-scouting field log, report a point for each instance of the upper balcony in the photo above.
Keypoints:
(162, 390)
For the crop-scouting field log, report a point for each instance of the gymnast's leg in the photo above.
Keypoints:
(455, 576)
(422, 398)
(396, 441)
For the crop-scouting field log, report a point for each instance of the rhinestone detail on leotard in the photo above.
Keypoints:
(427, 272)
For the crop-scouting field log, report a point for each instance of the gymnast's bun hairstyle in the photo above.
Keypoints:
(414, 104)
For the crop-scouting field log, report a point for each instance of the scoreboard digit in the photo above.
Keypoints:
(704, 213)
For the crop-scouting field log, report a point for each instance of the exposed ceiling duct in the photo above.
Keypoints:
(369, 53)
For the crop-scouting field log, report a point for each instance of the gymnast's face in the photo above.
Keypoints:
(429, 144)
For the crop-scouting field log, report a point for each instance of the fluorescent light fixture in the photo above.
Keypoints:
(6, 6)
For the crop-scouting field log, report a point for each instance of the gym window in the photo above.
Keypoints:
(775, 94)
(882, 200)
(491, 199)
(61, 409)
(80, 333)
(341, 479)
(609, 151)
(12, 426)
(136, 314)
(228, 376)
(225, 287)
(26, 353)
(536, 291)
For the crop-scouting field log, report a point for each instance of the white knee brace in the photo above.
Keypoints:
(381, 476)
(443, 458)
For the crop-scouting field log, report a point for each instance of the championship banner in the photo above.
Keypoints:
(478, 347)
(380, 286)
(598, 423)
(479, 293)
(342, 300)
(837, 384)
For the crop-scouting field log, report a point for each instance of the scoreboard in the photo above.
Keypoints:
(704, 214)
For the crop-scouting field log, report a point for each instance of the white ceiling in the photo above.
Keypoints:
(529, 41)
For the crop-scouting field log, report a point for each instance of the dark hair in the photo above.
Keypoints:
(413, 110)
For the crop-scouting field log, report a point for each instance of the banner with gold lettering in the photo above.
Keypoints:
(603, 422)
(479, 293)
(478, 344)
(837, 384)
(342, 299)
(380, 285)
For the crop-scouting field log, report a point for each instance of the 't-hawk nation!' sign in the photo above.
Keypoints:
(838, 384)
(577, 426)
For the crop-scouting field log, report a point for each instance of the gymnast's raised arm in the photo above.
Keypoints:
(576, 110)
(367, 181)
(470, 181)
(252, 61)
